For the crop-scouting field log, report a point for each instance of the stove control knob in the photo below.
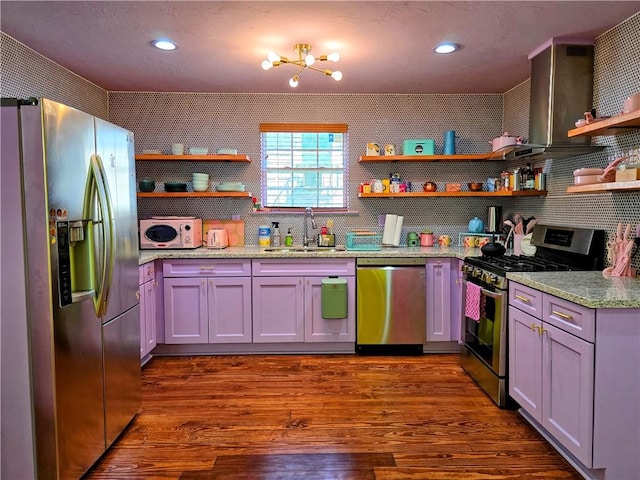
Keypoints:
(492, 278)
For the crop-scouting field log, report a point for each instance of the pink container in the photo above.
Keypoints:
(426, 239)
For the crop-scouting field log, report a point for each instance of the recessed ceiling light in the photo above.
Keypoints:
(164, 44)
(446, 48)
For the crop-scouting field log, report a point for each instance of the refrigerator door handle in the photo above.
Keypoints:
(97, 190)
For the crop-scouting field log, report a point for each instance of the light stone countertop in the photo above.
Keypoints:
(258, 252)
(589, 289)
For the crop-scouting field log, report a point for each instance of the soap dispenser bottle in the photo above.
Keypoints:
(288, 240)
(276, 234)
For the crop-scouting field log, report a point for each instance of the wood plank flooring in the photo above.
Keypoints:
(317, 417)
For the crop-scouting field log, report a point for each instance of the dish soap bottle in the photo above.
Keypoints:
(276, 234)
(288, 240)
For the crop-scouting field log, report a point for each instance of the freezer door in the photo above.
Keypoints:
(391, 305)
(115, 151)
(122, 377)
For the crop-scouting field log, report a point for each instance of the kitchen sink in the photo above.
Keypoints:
(303, 249)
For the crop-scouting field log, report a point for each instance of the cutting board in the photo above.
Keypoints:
(234, 228)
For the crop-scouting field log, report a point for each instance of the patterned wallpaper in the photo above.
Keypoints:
(230, 120)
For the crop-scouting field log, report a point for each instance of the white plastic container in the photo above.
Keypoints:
(264, 236)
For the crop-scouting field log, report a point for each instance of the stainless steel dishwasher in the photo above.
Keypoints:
(391, 305)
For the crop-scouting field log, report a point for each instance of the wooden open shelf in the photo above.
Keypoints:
(518, 193)
(467, 157)
(196, 158)
(192, 194)
(605, 187)
(611, 126)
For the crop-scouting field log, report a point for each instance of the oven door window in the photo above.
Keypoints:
(484, 337)
(161, 233)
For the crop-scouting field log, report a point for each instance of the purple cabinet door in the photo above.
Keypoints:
(438, 300)
(229, 302)
(278, 309)
(525, 362)
(567, 386)
(185, 310)
(318, 329)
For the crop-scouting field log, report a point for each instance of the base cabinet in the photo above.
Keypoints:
(568, 370)
(287, 301)
(552, 379)
(207, 301)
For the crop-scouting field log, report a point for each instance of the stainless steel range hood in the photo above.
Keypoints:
(561, 91)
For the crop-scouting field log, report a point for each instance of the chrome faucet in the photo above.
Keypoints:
(308, 212)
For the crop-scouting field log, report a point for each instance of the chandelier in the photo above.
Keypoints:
(305, 61)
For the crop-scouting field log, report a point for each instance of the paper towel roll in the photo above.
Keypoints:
(398, 232)
(388, 233)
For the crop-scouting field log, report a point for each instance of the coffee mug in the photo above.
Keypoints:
(373, 149)
(469, 241)
(377, 186)
(482, 241)
(394, 187)
(390, 149)
(444, 240)
(386, 183)
(366, 188)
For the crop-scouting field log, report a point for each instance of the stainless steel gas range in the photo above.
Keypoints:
(485, 349)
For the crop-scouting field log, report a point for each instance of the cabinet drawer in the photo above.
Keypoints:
(146, 272)
(575, 319)
(526, 299)
(207, 268)
(311, 267)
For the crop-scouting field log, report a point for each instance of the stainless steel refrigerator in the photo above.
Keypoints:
(70, 307)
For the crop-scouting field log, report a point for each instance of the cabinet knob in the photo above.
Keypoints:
(138, 294)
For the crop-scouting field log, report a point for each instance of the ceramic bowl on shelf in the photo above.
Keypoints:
(474, 186)
(198, 150)
(175, 187)
(227, 151)
(147, 185)
(199, 186)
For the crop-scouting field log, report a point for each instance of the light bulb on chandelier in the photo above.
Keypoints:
(305, 61)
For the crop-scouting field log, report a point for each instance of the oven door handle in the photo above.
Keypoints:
(489, 293)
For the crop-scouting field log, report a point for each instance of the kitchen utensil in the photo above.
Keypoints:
(476, 225)
(493, 249)
(614, 246)
(586, 179)
(587, 171)
(530, 225)
(622, 266)
(609, 173)
(494, 219)
(430, 187)
(504, 141)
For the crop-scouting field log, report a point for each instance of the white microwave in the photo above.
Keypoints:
(170, 232)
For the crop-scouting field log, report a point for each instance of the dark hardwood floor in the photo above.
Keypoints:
(317, 417)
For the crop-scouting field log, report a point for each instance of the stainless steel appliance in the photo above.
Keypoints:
(70, 312)
(391, 305)
(484, 353)
(170, 232)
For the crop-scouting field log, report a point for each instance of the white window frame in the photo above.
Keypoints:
(286, 166)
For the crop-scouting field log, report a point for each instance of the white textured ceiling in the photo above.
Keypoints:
(386, 47)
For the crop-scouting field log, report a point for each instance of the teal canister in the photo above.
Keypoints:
(449, 142)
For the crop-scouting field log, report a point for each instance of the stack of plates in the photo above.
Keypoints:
(230, 187)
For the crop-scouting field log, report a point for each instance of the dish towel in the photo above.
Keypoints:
(473, 302)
